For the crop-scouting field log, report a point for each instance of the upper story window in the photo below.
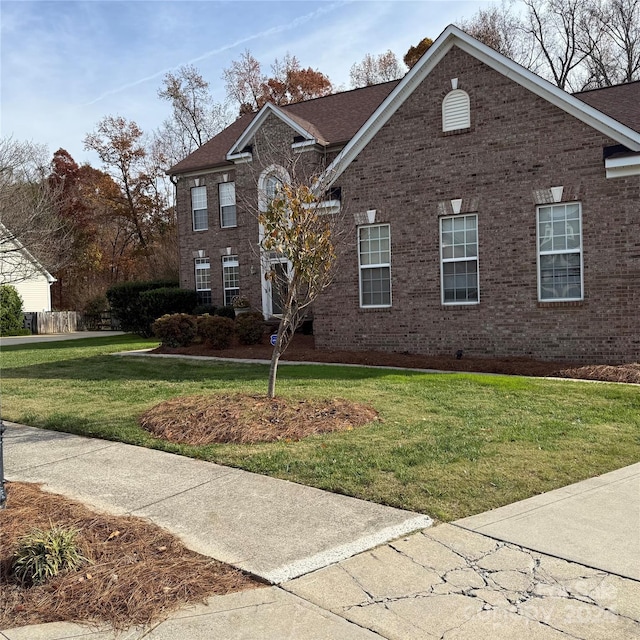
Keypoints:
(459, 259)
(560, 252)
(456, 111)
(199, 208)
(227, 193)
(374, 258)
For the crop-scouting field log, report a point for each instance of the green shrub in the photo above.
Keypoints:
(250, 327)
(201, 309)
(156, 303)
(11, 318)
(226, 312)
(43, 554)
(126, 304)
(176, 330)
(216, 331)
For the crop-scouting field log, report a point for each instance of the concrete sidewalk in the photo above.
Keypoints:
(8, 341)
(446, 582)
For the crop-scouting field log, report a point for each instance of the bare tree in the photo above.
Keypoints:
(195, 116)
(615, 44)
(29, 213)
(375, 69)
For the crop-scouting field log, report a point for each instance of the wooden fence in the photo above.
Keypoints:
(52, 322)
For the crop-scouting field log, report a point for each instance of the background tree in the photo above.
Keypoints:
(29, 212)
(416, 52)
(141, 203)
(195, 116)
(251, 89)
(376, 69)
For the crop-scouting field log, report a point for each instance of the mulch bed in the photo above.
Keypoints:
(138, 573)
(245, 419)
(302, 349)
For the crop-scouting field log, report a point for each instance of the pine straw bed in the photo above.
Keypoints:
(245, 419)
(138, 573)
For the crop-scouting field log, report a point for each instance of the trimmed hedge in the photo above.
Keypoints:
(250, 327)
(127, 305)
(216, 331)
(176, 330)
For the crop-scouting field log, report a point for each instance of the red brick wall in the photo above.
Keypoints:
(517, 144)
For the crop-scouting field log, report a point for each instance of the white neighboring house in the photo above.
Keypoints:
(21, 269)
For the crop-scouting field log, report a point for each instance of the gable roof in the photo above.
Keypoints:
(621, 102)
(453, 36)
(350, 119)
(332, 120)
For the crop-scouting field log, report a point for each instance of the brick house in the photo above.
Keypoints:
(484, 209)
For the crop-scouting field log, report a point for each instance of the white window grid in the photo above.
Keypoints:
(230, 278)
(374, 262)
(227, 194)
(203, 279)
(560, 261)
(459, 268)
(199, 208)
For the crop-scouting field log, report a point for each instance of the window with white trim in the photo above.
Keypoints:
(456, 110)
(199, 208)
(459, 259)
(227, 193)
(230, 278)
(560, 252)
(374, 259)
(203, 280)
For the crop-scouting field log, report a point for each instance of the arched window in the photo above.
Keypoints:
(456, 111)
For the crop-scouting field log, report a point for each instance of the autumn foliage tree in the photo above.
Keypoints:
(251, 89)
(416, 52)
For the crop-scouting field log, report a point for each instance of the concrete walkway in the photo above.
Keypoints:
(8, 341)
(343, 568)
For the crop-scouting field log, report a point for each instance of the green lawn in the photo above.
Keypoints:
(449, 445)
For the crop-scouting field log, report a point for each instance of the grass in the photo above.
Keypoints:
(449, 445)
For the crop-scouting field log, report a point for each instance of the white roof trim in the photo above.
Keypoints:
(623, 166)
(452, 36)
(248, 134)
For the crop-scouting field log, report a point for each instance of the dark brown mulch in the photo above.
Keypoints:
(245, 419)
(138, 572)
(302, 349)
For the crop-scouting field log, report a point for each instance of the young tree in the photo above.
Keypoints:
(376, 69)
(248, 86)
(29, 212)
(295, 227)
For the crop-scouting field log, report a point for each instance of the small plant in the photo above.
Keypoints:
(216, 331)
(43, 554)
(240, 302)
(176, 330)
(250, 327)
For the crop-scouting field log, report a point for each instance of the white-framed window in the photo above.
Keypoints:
(203, 280)
(199, 208)
(560, 252)
(456, 110)
(459, 259)
(230, 278)
(374, 260)
(227, 193)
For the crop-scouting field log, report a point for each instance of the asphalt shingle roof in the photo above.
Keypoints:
(621, 102)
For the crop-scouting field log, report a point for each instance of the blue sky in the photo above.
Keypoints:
(65, 65)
